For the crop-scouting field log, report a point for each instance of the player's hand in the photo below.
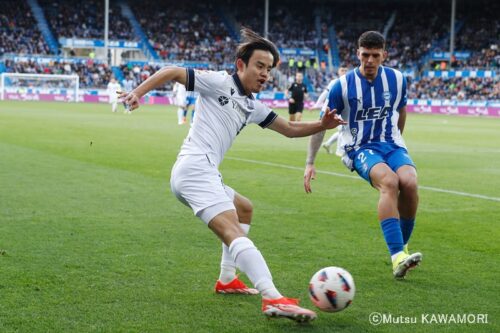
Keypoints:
(331, 119)
(309, 173)
(291, 100)
(130, 99)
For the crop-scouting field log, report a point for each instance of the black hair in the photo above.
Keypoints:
(252, 41)
(371, 40)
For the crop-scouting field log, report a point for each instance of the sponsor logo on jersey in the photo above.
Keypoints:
(372, 113)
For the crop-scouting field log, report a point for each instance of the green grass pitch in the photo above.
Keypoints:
(92, 240)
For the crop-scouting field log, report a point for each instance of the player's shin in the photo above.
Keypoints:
(407, 226)
(393, 236)
(227, 264)
(180, 116)
(250, 261)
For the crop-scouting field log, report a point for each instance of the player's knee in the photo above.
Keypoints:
(231, 232)
(409, 183)
(389, 182)
(245, 210)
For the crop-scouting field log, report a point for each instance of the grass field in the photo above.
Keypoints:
(92, 240)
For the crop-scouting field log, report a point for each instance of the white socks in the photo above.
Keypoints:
(180, 116)
(250, 261)
(332, 139)
(395, 255)
(227, 264)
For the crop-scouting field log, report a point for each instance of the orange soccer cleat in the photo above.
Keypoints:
(234, 287)
(287, 308)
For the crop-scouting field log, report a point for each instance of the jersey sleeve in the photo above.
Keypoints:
(263, 116)
(404, 99)
(335, 100)
(203, 82)
(321, 99)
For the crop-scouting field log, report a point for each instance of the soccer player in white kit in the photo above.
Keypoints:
(180, 100)
(323, 104)
(112, 89)
(225, 106)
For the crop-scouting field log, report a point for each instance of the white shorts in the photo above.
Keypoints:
(113, 100)
(197, 183)
(180, 101)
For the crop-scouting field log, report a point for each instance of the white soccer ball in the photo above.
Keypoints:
(332, 289)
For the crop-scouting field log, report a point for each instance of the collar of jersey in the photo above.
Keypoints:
(239, 85)
(361, 76)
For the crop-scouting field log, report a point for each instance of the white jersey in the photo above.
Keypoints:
(322, 99)
(112, 89)
(128, 84)
(180, 94)
(222, 111)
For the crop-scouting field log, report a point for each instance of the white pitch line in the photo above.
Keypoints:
(337, 174)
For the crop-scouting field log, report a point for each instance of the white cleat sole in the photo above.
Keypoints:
(410, 262)
(300, 317)
(246, 291)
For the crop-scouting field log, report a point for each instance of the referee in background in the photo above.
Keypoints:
(296, 94)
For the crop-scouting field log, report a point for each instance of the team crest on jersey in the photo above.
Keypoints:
(387, 96)
(223, 100)
(354, 131)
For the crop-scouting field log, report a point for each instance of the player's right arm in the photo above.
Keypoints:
(334, 102)
(312, 150)
(164, 75)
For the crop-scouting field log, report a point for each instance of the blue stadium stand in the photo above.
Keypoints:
(443, 40)
(229, 21)
(147, 48)
(43, 26)
(334, 48)
(117, 72)
(322, 56)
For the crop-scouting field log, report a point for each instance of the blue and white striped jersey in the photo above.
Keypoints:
(371, 109)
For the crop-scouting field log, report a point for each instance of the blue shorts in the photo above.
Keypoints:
(369, 155)
(190, 100)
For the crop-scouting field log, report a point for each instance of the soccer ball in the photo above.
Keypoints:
(332, 289)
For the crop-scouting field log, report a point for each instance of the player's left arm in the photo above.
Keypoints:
(402, 119)
(402, 107)
(293, 129)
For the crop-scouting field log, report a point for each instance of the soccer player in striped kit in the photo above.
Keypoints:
(372, 100)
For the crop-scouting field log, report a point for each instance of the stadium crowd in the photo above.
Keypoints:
(193, 32)
(18, 31)
(92, 75)
(455, 89)
(85, 19)
(200, 33)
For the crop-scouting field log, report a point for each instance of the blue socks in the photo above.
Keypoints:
(392, 234)
(407, 228)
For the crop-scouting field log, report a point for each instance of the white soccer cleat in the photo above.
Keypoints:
(327, 148)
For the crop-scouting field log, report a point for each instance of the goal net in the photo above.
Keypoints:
(39, 87)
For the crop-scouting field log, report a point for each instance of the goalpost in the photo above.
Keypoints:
(26, 86)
